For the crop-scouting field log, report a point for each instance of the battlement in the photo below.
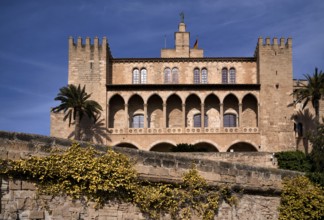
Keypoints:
(274, 43)
(87, 44)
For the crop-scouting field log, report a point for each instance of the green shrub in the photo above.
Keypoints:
(293, 160)
(316, 177)
(317, 154)
(301, 199)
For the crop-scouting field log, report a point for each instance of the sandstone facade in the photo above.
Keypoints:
(215, 103)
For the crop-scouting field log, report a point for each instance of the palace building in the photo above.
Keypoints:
(217, 104)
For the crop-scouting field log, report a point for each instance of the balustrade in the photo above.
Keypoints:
(186, 130)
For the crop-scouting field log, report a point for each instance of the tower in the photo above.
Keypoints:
(274, 71)
(182, 45)
(89, 66)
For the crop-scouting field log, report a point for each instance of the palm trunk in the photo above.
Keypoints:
(316, 108)
(77, 129)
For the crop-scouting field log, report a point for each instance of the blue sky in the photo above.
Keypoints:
(34, 40)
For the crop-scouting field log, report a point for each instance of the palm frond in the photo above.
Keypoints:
(75, 101)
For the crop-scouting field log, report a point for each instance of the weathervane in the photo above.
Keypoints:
(182, 17)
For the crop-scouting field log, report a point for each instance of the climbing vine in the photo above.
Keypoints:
(90, 175)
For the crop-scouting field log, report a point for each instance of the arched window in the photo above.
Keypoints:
(197, 120)
(167, 75)
(229, 120)
(196, 76)
(232, 74)
(136, 77)
(224, 75)
(138, 121)
(143, 76)
(175, 75)
(204, 76)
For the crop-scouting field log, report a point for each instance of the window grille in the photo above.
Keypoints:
(196, 76)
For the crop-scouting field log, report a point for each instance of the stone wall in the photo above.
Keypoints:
(261, 186)
(20, 201)
(122, 69)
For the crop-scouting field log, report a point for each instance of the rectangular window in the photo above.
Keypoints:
(138, 121)
(229, 120)
(197, 120)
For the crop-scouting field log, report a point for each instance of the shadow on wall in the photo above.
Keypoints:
(93, 132)
(305, 123)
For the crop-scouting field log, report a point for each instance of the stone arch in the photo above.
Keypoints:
(126, 145)
(249, 116)
(174, 94)
(134, 95)
(242, 146)
(174, 111)
(193, 107)
(150, 96)
(114, 95)
(155, 111)
(135, 108)
(116, 112)
(212, 110)
(231, 111)
(206, 146)
(162, 147)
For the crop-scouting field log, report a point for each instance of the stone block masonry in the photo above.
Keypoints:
(260, 198)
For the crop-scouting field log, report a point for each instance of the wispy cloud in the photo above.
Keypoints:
(32, 62)
(22, 91)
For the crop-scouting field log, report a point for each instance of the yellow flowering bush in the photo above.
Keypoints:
(301, 199)
(90, 175)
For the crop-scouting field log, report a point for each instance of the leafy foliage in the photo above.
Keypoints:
(79, 173)
(75, 104)
(192, 197)
(89, 175)
(187, 148)
(317, 154)
(293, 160)
(312, 91)
(301, 199)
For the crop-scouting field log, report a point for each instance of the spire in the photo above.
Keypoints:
(182, 17)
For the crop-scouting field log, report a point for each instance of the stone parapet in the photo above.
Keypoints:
(261, 186)
(158, 166)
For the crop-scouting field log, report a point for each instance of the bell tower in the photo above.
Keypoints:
(182, 44)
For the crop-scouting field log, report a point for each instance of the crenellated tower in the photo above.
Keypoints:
(89, 65)
(274, 72)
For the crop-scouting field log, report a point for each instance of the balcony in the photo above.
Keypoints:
(137, 131)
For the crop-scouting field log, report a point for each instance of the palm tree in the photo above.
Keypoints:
(312, 91)
(75, 104)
